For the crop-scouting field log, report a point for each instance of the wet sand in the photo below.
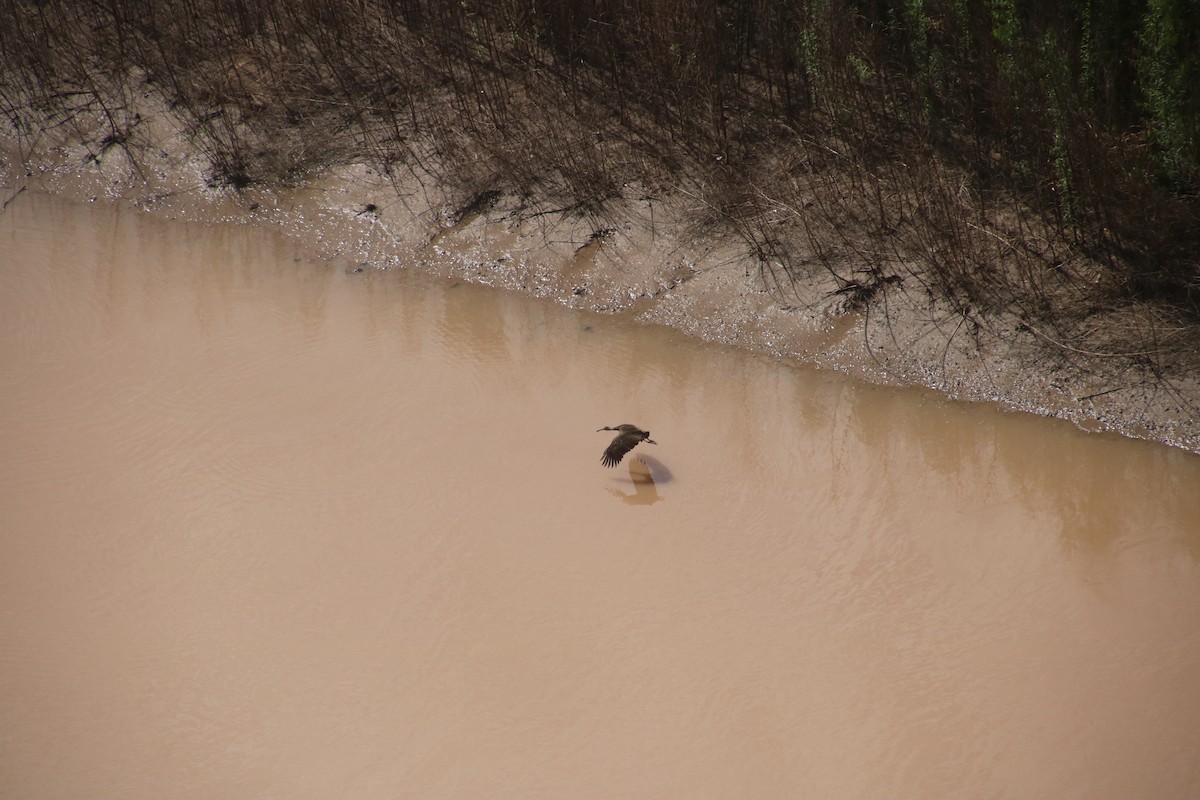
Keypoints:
(646, 263)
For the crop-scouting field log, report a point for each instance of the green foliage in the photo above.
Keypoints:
(860, 68)
(1170, 72)
(1005, 29)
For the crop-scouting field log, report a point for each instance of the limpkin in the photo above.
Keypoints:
(626, 439)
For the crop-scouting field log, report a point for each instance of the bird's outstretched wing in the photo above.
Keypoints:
(620, 445)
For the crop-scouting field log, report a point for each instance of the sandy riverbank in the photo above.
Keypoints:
(647, 260)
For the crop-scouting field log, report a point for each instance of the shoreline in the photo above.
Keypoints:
(646, 262)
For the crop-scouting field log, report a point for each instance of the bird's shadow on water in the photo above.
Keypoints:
(645, 474)
(657, 471)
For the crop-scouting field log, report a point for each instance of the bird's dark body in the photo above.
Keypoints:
(628, 437)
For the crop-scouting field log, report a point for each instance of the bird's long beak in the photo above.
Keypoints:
(651, 441)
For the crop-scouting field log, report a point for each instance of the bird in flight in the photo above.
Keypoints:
(626, 439)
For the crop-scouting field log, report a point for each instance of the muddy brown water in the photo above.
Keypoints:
(272, 530)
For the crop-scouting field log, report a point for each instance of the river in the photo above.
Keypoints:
(273, 528)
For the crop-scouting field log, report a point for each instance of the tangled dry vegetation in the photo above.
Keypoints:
(1010, 166)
